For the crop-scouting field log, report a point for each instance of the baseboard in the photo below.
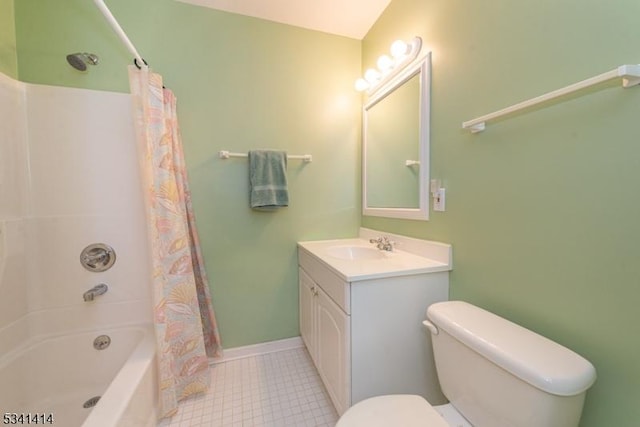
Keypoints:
(257, 349)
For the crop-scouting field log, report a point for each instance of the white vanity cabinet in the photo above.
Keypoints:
(326, 331)
(363, 327)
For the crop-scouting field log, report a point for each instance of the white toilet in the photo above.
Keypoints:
(494, 373)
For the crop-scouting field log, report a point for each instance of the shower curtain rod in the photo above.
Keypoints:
(138, 61)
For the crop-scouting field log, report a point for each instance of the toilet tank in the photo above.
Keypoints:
(499, 374)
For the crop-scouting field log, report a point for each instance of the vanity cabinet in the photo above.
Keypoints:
(365, 333)
(325, 329)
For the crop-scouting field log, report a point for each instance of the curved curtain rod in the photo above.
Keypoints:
(138, 60)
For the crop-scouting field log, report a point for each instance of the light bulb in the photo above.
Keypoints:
(399, 48)
(372, 76)
(361, 84)
(385, 63)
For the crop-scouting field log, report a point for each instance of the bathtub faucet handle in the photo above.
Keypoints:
(96, 258)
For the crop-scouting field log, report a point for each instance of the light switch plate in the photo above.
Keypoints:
(438, 200)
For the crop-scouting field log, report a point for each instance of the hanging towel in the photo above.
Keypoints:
(268, 179)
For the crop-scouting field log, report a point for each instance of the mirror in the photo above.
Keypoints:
(395, 146)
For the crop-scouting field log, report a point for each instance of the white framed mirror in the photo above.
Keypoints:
(395, 145)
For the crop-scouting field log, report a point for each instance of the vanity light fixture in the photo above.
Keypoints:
(399, 48)
(402, 53)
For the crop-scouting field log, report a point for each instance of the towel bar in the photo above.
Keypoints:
(630, 75)
(224, 154)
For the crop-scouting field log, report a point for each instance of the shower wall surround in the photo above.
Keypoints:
(68, 178)
(84, 189)
(14, 186)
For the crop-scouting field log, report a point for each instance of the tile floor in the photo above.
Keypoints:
(272, 390)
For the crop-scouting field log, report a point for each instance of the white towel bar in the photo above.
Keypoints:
(630, 75)
(224, 154)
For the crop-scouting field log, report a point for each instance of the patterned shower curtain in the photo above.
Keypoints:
(186, 330)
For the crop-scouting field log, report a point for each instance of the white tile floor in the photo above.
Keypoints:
(273, 390)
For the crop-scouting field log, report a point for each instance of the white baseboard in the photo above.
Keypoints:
(257, 349)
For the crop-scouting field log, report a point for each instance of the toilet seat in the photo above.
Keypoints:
(406, 410)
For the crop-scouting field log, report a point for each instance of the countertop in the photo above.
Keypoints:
(394, 263)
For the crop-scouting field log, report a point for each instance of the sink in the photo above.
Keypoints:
(355, 259)
(355, 252)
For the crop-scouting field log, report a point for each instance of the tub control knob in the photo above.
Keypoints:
(98, 257)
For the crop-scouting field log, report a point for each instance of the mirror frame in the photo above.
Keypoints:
(421, 66)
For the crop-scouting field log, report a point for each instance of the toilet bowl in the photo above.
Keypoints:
(406, 410)
(494, 373)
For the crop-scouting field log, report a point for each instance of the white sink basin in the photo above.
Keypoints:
(355, 252)
(355, 259)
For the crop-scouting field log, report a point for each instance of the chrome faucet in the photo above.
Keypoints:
(95, 291)
(383, 243)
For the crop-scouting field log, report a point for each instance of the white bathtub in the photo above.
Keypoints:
(58, 374)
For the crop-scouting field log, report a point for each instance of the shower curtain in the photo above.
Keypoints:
(186, 330)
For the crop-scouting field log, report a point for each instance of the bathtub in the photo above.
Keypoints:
(54, 376)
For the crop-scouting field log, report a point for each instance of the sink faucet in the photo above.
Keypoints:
(95, 291)
(383, 243)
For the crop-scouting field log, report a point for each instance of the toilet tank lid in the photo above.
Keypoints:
(533, 358)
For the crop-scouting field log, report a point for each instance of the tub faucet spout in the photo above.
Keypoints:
(95, 291)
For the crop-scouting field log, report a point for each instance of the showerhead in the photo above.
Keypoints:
(79, 61)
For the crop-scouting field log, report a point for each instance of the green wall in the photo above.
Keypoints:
(543, 209)
(8, 58)
(242, 83)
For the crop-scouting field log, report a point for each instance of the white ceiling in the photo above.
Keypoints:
(349, 18)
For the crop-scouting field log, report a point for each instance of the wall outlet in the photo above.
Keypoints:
(438, 200)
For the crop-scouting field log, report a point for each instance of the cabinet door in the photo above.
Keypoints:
(308, 313)
(334, 355)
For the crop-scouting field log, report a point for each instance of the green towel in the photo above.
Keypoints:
(268, 179)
